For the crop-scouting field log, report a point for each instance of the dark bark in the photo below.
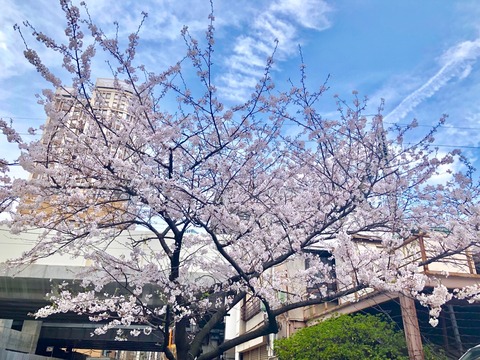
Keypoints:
(181, 340)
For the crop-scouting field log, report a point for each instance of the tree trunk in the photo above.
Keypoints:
(181, 340)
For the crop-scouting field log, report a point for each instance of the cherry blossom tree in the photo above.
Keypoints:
(229, 195)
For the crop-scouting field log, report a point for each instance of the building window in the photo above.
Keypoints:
(250, 307)
(17, 325)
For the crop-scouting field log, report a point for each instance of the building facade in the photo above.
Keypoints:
(453, 272)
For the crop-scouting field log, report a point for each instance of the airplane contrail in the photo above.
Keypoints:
(457, 62)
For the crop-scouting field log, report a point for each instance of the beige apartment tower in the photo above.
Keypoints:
(72, 116)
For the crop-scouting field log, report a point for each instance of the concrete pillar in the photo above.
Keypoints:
(412, 330)
(24, 341)
(5, 329)
(31, 332)
(456, 333)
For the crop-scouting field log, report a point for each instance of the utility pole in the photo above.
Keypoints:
(456, 333)
(411, 328)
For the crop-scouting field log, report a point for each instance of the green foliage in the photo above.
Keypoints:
(347, 337)
(432, 352)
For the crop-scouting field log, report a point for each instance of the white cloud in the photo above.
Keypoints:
(39, 14)
(165, 21)
(280, 21)
(456, 62)
(308, 13)
(10, 53)
(464, 51)
(256, 25)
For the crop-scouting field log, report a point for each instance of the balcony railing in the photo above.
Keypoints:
(250, 308)
(428, 251)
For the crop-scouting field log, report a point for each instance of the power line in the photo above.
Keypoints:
(23, 118)
(441, 126)
(399, 124)
(386, 122)
(455, 146)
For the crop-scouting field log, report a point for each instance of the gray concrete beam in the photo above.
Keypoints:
(79, 336)
(24, 291)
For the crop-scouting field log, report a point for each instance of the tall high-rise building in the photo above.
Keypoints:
(109, 101)
(73, 122)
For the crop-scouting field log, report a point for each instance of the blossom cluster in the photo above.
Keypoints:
(230, 203)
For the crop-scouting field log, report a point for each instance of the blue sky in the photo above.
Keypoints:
(420, 56)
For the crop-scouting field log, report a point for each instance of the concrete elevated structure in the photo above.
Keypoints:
(23, 291)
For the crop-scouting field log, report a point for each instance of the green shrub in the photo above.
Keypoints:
(348, 337)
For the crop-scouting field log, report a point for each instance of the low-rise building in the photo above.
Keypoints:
(455, 271)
